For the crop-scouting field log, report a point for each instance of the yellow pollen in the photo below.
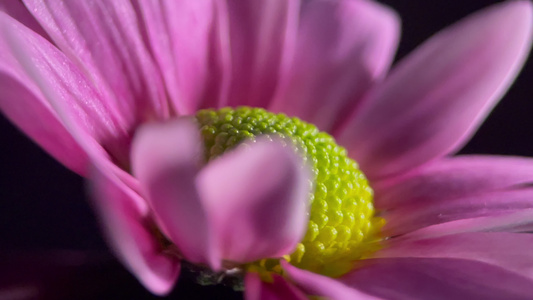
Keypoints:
(342, 226)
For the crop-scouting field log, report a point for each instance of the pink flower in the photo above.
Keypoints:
(106, 87)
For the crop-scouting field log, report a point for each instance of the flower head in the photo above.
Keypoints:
(265, 142)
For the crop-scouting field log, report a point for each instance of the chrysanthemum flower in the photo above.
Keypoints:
(192, 120)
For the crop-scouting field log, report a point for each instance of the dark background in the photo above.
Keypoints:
(43, 206)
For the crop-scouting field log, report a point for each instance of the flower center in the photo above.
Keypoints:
(342, 226)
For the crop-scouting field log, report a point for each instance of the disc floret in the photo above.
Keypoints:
(342, 226)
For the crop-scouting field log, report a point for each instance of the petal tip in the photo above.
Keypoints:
(519, 12)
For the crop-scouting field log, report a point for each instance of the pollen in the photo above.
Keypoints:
(342, 225)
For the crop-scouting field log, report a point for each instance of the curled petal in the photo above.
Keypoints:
(435, 99)
(165, 159)
(257, 199)
(126, 222)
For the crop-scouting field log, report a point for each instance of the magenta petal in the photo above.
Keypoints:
(418, 215)
(342, 48)
(185, 37)
(104, 39)
(126, 221)
(257, 199)
(434, 100)
(511, 251)
(455, 188)
(49, 98)
(260, 39)
(318, 285)
(279, 289)
(166, 158)
(451, 178)
(520, 221)
(437, 278)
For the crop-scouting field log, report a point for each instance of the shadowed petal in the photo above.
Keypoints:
(279, 289)
(186, 39)
(55, 99)
(435, 99)
(451, 178)
(342, 48)
(257, 199)
(261, 36)
(165, 159)
(511, 251)
(129, 231)
(318, 285)
(437, 278)
(105, 41)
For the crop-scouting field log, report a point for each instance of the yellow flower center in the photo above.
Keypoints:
(342, 226)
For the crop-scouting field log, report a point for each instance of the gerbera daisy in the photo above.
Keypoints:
(264, 143)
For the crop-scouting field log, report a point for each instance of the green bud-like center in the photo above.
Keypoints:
(342, 226)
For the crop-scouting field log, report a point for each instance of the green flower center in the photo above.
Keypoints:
(342, 226)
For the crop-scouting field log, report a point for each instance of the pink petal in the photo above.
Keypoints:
(260, 38)
(30, 113)
(435, 99)
(455, 177)
(342, 48)
(166, 158)
(105, 41)
(186, 39)
(19, 12)
(45, 93)
(520, 221)
(279, 289)
(418, 215)
(437, 278)
(257, 199)
(125, 218)
(318, 285)
(511, 251)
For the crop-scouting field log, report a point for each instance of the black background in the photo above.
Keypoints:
(43, 206)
